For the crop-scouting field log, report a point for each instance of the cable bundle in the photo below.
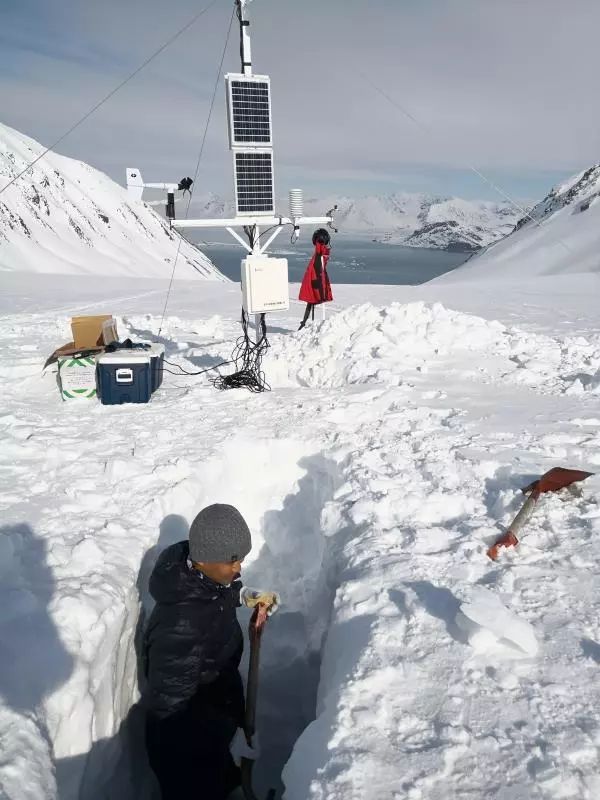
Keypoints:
(247, 357)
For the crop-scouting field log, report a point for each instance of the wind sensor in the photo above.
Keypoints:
(136, 186)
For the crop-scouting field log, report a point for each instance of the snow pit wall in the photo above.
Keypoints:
(283, 489)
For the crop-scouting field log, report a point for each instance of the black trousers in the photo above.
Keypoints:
(190, 755)
(310, 308)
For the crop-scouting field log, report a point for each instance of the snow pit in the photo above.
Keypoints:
(282, 488)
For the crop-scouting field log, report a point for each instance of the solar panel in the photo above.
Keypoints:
(253, 181)
(249, 110)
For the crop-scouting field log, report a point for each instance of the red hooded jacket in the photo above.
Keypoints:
(316, 287)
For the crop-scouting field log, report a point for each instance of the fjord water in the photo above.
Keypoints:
(352, 261)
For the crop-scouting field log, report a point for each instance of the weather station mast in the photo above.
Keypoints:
(264, 279)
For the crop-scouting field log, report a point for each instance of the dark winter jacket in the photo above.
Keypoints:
(193, 642)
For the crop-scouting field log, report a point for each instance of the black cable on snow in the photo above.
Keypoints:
(247, 357)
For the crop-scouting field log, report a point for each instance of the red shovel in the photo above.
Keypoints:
(552, 481)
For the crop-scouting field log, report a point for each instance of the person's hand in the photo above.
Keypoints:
(239, 747)
(260, 597)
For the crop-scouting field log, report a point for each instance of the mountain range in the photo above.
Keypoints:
(65, 217)
(559, 236)
(415, 220)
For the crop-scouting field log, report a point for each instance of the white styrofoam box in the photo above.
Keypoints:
(265, 285)
(77, 377)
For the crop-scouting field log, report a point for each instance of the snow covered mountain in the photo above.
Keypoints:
(582, 189)
(561, 235)
(417, 220)
(63, 216)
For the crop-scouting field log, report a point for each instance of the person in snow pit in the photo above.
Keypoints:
(316, 287)
(193, 644)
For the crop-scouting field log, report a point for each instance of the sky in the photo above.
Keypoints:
(368, 97)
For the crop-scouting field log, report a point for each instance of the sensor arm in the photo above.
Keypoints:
(241, 222)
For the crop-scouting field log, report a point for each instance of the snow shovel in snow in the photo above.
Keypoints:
(257, 626)
(552, 481)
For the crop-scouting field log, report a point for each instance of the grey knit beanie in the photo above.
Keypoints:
(219, 533)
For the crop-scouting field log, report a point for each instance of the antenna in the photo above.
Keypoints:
(251, 142)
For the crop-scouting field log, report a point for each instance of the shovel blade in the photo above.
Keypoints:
(556, 479)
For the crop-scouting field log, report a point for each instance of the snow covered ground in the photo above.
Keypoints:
(390, 453)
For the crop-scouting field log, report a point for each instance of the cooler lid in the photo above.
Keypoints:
(125, 357)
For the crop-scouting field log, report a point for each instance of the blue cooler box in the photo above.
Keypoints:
(124, 376)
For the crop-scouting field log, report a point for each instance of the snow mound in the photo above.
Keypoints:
(391, 344)
(64, 217)
(366, 343)
(562, 235)
(485, 616)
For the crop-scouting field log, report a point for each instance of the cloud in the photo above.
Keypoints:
(508, 87)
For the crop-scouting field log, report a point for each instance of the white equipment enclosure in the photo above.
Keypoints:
(265, 284)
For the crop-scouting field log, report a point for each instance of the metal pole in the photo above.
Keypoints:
(239, 238)
(271, 238)
(257, 326)
(245, 45)
(256, 252)
(246, 59)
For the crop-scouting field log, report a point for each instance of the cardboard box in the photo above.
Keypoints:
(70, 350)
(93, 331)
(77, 377)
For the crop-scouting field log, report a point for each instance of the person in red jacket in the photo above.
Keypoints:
(316, 287)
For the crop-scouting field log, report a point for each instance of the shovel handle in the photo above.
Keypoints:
(524, 514)
(509, 539)
(257, 624)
